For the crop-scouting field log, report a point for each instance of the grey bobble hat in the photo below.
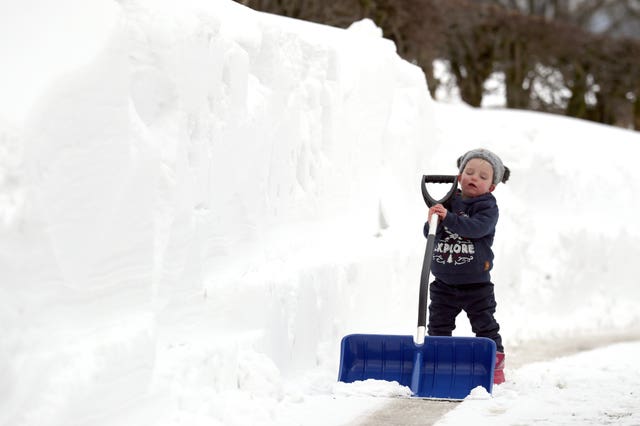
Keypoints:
(501, 172)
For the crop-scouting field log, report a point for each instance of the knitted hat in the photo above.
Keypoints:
(501, 172)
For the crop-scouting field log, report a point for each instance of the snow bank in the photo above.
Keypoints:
(184, 208)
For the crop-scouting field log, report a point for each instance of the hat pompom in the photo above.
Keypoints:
(506, 175)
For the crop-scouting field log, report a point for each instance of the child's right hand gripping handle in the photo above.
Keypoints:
(452, 179)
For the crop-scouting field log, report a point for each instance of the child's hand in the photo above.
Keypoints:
(438, 209)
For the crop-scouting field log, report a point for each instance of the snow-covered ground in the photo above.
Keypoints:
(598, 387)
(197, 201)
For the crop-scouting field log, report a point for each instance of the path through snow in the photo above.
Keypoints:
(542, 356)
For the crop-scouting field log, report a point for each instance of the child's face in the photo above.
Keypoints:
(476, 178)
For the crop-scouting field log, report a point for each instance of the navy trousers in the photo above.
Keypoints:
(477, 300)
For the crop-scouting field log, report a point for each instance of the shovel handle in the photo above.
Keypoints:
(424, 281)
(428, 253)
(452, 179)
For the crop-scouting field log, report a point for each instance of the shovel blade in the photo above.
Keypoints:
(441, 368)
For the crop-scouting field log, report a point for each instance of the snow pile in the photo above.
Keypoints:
(371, 387)
(197, 201)
(558, 392)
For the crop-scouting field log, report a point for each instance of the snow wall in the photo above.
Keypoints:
(201, 199)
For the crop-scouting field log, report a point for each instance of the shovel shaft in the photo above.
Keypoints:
(424, 280)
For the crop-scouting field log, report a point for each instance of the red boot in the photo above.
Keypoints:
(498, 374)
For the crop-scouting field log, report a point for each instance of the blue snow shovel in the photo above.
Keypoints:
(437, 367)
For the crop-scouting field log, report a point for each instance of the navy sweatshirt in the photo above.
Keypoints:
(462, 252)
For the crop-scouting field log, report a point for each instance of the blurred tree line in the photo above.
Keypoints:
(580, 58)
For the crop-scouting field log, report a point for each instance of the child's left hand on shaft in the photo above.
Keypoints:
(438, 209)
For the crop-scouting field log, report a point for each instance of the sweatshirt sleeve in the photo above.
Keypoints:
(477, 225)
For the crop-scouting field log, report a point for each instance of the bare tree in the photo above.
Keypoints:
(606, 17)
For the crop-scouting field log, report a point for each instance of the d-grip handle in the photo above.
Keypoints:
(452, 179)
